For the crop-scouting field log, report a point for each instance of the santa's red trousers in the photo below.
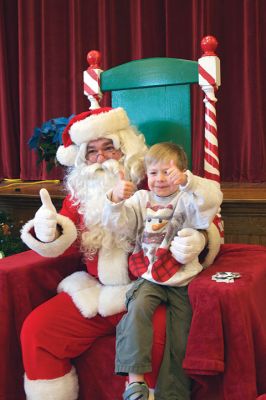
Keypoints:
(56, 332)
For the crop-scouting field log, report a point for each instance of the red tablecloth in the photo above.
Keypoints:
(226, 351)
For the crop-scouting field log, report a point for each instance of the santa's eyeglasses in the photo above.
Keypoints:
(106, 151)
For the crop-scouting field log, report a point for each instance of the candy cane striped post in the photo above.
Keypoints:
(91, 79)
(210, 80)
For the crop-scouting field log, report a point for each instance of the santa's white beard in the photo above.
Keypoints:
(88, 185)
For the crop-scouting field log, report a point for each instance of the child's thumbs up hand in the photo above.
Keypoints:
(123, 189)
(121, 175)
(176, 176)
(45, 219)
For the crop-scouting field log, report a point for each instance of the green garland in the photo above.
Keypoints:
(10, 242)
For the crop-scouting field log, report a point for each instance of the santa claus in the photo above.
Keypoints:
(97, 146)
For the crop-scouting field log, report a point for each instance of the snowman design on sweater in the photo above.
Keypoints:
(161, 225)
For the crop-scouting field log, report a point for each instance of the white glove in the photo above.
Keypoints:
(187, 245)
(45, 220)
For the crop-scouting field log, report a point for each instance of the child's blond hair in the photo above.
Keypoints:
(166, 151)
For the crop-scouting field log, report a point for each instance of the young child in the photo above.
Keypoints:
(150, 220)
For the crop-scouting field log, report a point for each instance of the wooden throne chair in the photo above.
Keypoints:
(226, 352)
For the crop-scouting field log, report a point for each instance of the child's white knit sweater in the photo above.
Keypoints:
(151, 222)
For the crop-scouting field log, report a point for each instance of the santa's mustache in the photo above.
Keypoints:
(110, 166)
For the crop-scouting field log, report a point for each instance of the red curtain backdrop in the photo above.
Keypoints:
(43, 48)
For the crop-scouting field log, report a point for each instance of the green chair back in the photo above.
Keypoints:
(155, 92)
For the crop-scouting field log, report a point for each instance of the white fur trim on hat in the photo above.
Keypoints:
(58, 246)
(65, 387)
(67, 155)
(115, 139)
(99, 125)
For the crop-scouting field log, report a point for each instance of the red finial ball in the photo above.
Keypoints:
(208, 45)
(94, 59)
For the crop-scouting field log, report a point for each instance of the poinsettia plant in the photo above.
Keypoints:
(46, 140)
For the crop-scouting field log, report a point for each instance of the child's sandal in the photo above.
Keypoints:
(136, 391)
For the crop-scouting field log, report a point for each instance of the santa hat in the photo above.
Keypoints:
(105, 122)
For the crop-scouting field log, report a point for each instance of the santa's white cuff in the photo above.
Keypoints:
(214, 244)
(113, 299)
(90, 297)
(58, 246)
(84, 291)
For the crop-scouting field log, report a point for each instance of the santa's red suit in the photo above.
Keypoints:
(89, 304)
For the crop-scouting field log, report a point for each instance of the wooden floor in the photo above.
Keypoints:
(243, 208)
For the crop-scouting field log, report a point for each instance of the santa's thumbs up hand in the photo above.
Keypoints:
(123, 189)
(45, 220)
